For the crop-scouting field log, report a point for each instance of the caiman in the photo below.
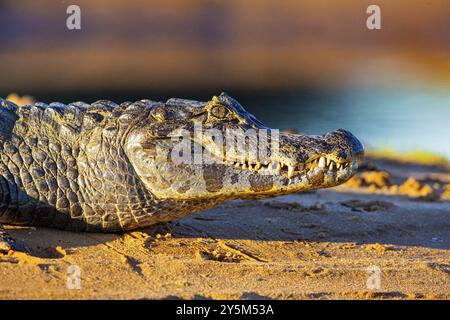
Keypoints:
(104, 167)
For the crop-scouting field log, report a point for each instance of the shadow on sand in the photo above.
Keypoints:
(324, 216)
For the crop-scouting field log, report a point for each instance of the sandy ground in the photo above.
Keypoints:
(375, 237)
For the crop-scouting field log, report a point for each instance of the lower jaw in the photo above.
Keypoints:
(316, 179)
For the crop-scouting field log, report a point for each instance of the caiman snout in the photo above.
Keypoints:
(338, 153)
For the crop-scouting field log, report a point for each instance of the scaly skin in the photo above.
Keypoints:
(107, 167)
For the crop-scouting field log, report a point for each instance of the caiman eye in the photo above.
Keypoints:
(219, 111)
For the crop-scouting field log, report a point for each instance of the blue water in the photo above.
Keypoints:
(402, 119)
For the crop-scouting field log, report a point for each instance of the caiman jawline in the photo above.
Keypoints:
(290, 171)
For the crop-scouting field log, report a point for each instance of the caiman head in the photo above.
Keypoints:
(189, 150)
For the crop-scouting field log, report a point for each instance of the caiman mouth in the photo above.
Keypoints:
(288, 170)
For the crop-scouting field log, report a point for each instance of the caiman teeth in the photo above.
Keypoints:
(290, 170)
(322, 162)
(331, 166)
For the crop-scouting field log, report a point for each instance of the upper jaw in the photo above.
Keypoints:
(337, 153)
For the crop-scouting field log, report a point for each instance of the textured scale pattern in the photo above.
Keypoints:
(62, 166)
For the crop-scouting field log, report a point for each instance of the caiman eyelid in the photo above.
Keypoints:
(219, 111)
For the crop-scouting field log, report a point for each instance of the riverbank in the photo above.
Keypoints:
(383, 235)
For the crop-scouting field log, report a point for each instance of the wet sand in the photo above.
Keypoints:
(302, 246)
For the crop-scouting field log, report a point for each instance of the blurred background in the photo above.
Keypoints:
(311, 65)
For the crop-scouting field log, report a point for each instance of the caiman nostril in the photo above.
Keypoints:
(347, 142)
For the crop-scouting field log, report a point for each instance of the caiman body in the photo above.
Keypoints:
(107, 167)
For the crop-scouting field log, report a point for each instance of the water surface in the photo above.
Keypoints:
(402, 119)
